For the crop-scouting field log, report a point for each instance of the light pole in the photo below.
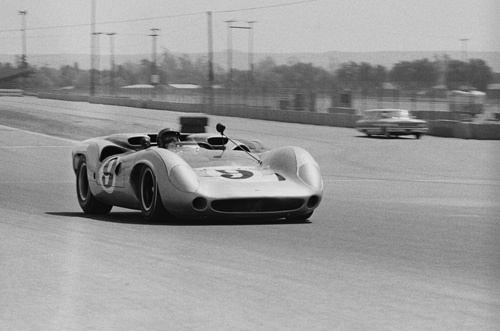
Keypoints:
(154, 75)
(250, 42)
(210, 63)
(23, 30)
(92, 48)
(229, 54)
(112, 60)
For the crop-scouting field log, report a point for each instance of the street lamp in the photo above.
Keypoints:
(250, 47)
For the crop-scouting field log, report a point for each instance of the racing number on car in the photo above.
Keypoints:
(107, 175)
(236, 174)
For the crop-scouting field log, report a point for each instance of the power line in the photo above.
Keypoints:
(264, 7)
(162, 17)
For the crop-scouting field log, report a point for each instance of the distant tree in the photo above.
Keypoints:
(304, 76)
(476, 73)
(68, 75)
(265, 75)
(480, 74)
(415, 75)
(353, 76)
(348, 75)
(45, 78)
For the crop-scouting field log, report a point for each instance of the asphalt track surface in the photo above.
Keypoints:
(407, 236)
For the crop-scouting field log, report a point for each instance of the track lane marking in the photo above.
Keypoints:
(9, 128)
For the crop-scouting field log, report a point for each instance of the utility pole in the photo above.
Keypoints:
(154, 75)
(92, 46)
(24, 63)
(98, 56)
(250, 52)
(229, 55)
(23, 30)
(464, 49)
(210, 63)
(112, 64)
(466, 59)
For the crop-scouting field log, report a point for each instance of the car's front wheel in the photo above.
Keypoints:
(418, 135)
(87, 201)
(151, 205)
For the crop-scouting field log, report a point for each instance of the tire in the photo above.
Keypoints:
(149, 197)
(87, 201)
(417, 135)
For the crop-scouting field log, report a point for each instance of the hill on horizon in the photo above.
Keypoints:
(329, 60)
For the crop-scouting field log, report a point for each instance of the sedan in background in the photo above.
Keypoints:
(390, 122)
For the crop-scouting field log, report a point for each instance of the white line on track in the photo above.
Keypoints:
(39, 134)
(441, 181)
(34, 146)
(39, 182)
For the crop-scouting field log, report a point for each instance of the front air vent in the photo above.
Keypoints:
(257, 205)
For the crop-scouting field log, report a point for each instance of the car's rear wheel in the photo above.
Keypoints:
(87, 201)
(151, 204)
(417, 135)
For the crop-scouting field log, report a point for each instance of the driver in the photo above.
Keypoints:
(167, 138)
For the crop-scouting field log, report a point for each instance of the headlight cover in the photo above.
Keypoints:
(309, 173)
(184, 178)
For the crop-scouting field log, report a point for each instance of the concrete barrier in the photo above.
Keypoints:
(442, 124)
(464, 130)
(486, 131)
(10, 92)
(64, 96)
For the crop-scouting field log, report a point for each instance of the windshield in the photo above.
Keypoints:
(394, 114)
(198, 157)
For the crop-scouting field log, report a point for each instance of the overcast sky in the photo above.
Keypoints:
(282, 26)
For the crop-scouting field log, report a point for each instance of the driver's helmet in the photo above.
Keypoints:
(166, 137)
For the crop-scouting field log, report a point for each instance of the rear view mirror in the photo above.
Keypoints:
(220, 128)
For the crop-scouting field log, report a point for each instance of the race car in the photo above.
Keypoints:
(390, 122)
(138, 171)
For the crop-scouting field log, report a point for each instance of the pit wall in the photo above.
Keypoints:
(441, 124)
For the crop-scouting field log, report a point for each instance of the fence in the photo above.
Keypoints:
(304, 100)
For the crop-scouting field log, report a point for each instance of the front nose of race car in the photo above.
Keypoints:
(248, 201)
(286, 183)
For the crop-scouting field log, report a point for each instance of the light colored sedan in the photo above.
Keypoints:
(390, 122)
